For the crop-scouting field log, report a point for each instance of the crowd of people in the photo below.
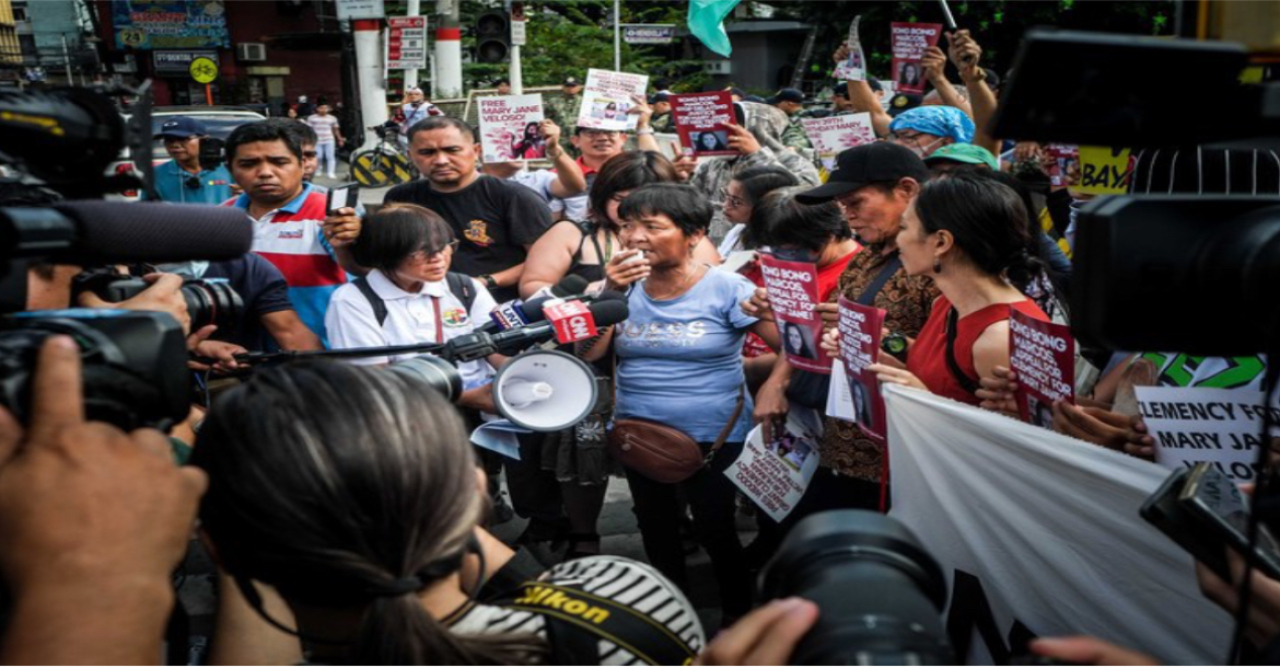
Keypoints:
(344, 504)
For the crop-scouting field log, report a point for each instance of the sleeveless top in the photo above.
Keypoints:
(590, 272)
(927, 358)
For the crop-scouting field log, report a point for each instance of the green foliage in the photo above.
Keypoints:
(567, 38)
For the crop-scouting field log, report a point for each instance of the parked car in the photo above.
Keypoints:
(218, 120)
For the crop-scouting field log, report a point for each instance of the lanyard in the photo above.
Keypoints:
(435, 305)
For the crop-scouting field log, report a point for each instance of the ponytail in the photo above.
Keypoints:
(397, 631)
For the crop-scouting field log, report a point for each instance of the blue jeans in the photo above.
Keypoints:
(325, 156)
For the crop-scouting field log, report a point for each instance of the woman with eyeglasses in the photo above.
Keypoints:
(410, 296)
(740, 196)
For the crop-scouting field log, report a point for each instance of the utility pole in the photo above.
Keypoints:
(447, 82)
(617, 35)
(367, 34)
(411, 75)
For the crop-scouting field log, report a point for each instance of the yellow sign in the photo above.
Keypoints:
(203, 70)
(1104, 170)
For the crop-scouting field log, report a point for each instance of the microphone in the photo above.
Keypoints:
(515, 313)
(534, 307)
(95, 232)
(481, 344)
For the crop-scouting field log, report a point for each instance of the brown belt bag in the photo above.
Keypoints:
(661, 452)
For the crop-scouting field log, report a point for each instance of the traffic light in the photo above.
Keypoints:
(493, 37)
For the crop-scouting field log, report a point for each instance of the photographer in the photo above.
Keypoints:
(183, 180)
(365, 538)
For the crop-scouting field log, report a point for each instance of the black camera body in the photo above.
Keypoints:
(134, 364)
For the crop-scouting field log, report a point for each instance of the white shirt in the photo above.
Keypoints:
(731, 241)
(411, 318)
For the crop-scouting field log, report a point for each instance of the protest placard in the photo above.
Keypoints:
(854, 66)
(1206, 424)
(1105, 170)
(1064, 159)
(909, 42)
(833, 134)
(775, 475)
(509, 128)
(860, 327)
(1043, 354)
(607, 97)
(793, 294)
(700, 120)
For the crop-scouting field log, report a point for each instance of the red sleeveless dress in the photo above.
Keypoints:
(928, 356)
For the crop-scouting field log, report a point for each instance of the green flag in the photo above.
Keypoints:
(706, 22)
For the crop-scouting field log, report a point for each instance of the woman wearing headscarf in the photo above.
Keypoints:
(927, 129)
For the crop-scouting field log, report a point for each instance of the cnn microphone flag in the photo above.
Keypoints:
(572, 320)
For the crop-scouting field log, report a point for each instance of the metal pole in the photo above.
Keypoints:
(66, 60)
(516, 74)
(617, 35)
(448, 80)
(411, 75)
(373, 94)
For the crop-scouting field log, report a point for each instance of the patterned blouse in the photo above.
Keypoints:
(907, 301)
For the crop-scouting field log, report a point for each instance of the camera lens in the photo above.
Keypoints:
(880, 594)
(442, 376)
(213, 303)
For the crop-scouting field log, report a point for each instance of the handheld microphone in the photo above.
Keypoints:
(515, 313)
(534, 307)
(96, 232)
(481, 344)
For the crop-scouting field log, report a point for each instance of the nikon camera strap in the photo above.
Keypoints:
(570, 611)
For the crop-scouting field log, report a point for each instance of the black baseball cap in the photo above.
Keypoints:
(856, 167)
(787, 95)
(659, 96)
(570, 82)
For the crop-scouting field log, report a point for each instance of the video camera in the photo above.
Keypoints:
(134, 363)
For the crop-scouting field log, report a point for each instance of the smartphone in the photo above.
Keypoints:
(1219, 504)
(347, 195)
(1202, 538)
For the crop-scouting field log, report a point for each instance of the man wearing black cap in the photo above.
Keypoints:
(182, 180)
(662, 121)
(791, 102)
(563, 108)
(873, 184)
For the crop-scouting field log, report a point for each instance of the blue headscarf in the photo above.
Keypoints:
(936, 120)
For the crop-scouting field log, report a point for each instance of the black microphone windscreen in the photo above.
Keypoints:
(611, 296)
(122, 232)
(570, 285)
(610, 312)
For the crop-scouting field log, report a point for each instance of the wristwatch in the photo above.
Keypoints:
(489, 281)
(644, 131)
(895, 344)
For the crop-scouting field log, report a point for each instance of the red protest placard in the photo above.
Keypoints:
(793, 294)
(1064, 159)
(860, 328)
(700, 120)
(910, 40)
(1043, 355)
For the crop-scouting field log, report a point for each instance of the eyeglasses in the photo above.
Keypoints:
(906, 138)
(600, 133)
(732, 200)
(425, 254)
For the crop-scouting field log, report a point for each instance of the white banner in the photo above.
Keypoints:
(1205, 424)
(1039, 534)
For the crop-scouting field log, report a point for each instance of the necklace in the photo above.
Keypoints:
(680, 289)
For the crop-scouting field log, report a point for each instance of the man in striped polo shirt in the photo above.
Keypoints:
(291, 228)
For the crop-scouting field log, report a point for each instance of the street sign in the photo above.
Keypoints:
(648, 33)
(518, 32)
(349, 10)
(204, 70)
(406, 42)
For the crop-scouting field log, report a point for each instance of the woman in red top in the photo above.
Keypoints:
(969, 234)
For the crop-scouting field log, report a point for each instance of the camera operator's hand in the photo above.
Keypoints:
(94, 521)
(766, 637)
(223, 352)
(1089, 651)
(1263, 621)
(342, 227)
(164, 295)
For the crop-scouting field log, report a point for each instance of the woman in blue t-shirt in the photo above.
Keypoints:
(680, 364)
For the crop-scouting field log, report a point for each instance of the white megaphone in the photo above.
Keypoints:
(545, 390)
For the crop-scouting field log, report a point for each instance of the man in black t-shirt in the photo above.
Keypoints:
(269, 317)
(496, 221)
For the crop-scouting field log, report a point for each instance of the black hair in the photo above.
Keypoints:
(627, 171)
(305, 133)
(781, 220)
(388, 237)
(356, 489)
(757, 182)
(268, 130)
(684, 205)
(988, 220)
(439, 123)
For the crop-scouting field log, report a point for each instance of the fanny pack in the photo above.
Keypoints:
(662, 452)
